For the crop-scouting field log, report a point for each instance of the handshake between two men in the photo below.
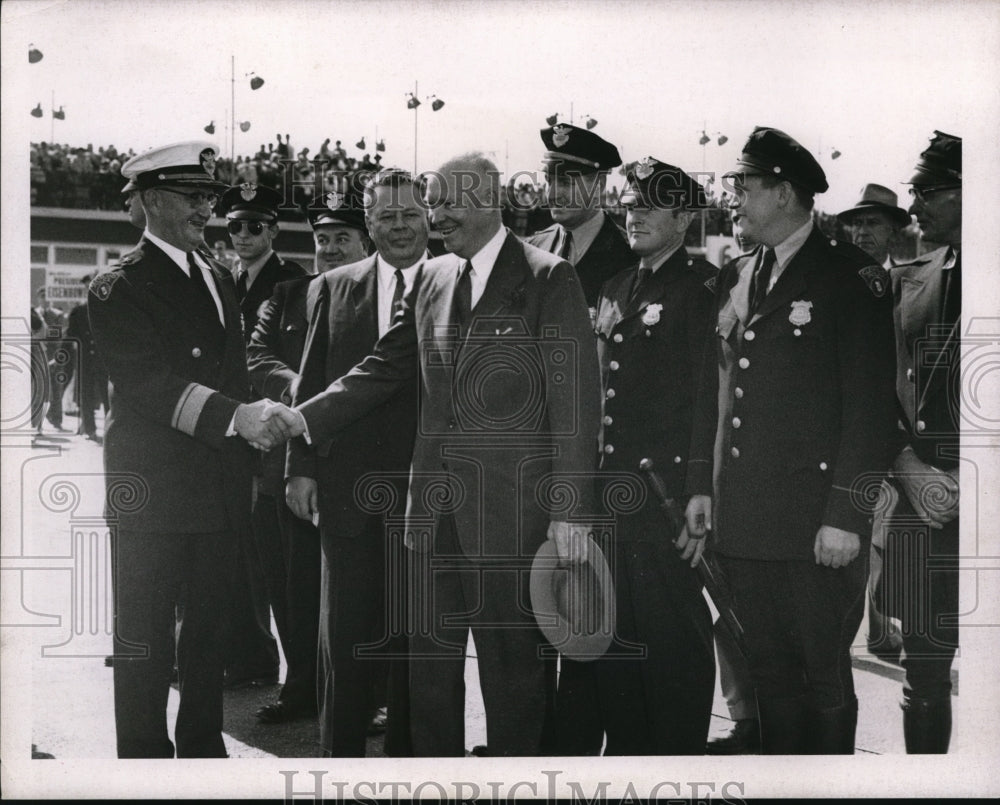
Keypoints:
(266, 424)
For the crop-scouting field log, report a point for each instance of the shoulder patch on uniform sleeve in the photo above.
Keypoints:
(102, 284)
(876, 278)
(711, 282)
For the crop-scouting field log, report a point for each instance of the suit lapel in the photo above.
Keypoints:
(365, 295)
(509, 273)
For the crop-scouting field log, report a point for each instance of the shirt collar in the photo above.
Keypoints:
(790, 246)
(387, 271)
(483, 260)
(254, 268)
(659, 260)
(585, 234)
(179, 256)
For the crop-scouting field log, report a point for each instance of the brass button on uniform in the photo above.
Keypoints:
(607, 420)
(677, 459)
(196, 352)
(618, 338)
(735, 452)
(737, 422)
(749, 335)
(609, 448)
(921, 426)
(822, 466)
(744, 363)
(610, 394)
(613, 366)
(738, 393)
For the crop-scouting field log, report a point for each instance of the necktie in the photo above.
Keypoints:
(640, 279)
(241, 284)
(463, 298)
(397, 296)
(951, 298)
(198, 280)
(566, 250)
(761, 279)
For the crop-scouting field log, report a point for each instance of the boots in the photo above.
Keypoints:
(830, 730)
(927, 726)
(782, 723)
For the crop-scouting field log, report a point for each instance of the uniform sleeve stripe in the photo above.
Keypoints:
(189, 407)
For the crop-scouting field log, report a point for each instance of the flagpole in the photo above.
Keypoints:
(52, 121)
(415, 110)
(232, 109)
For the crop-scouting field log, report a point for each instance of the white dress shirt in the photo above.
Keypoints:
(482, 264)
(787, 249)
(253, 269)
(387, 288)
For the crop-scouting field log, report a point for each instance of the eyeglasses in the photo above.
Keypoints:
(195, 199)
(923, 193)
(253, 227)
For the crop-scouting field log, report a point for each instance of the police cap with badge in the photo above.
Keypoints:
(771, 152)
(253, 203)
(652, 183)
(940, 164)
(570, 149)
(184, 164)
(335, 208)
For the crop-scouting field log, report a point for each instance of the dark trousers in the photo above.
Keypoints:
(154, 574)
(651, 693)
(362, 644)
(58, 377)
(800, 620)
(92, 392)
(495, 604)
(290, 558)
(252, 651)
(919, 585)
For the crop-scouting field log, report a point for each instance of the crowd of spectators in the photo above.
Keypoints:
(89, 178)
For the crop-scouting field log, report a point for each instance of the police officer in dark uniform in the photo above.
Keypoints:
(577, 163)
(251, 213)
(167, 327)
(795, 413)
(91, 379)
(652, 328)
(919, 582)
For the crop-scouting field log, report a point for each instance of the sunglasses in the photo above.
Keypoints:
(923, 193)
(253, 227)
(195, 199)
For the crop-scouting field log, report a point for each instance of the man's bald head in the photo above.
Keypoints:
(463, 197)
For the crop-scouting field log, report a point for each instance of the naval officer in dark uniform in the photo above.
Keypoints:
(796, 413)
(167, 327)
(577, 163)
(652, 329)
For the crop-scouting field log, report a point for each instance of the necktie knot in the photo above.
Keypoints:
(642, 275)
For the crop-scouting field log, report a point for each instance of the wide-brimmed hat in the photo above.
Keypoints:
(574, 604)
(880, 199)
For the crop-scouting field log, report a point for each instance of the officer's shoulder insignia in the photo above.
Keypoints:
(876, 278)
(102, 284)
(131, 258)
(711, 282)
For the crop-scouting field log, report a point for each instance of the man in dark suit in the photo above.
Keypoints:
(91, 378)
(166, 324)
(499, 338)
(350, 308)
(251, 213)
(577, 163)
(795, 415)
(59, 370)
(289, 549)
(919, 582)
(652, 332)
